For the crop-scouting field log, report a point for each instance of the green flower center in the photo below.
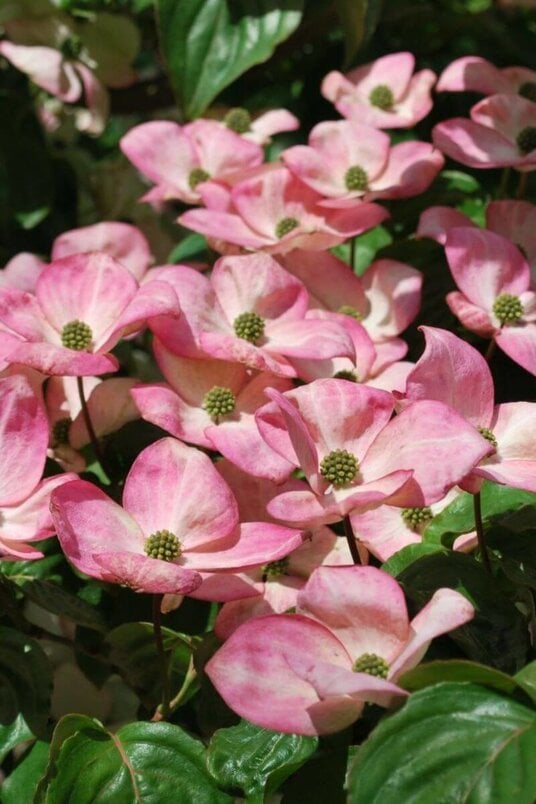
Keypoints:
(382, 97)
(356, 179)
(163, 545)
(249, 327)
(488, 435)
(372, 664)
(60, 431)
(353, 312)
(507, 308)
(528, 90)
(275, 569)
(345, 374)
(339, 467)
(526, 139)
(238, 120)
(285, 226)
(76, 335)
(197, 176)
(71, 47)
(218, 402)
(416, 518)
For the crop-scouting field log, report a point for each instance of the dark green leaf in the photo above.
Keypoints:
(399, 561)
(21, 785)
(25, 681)
(209, 43)
(12, 735)
(449, 743)
(526, 678)
(142, 762)
(255, 760)
(54, 598)
(193, 245)
(425, 675)
(358, 20)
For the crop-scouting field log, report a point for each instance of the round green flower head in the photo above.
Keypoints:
(528, 90)
(163, 545)
(76, 335)
(372, 664)
(345, 374)
(71, 47)
(284, 226)
(197, 176)
(353, 312)
(339, 467)
(275, 569)
(60, 431)
(507, 308)
(415, 518)
(382, 97)
(249, 327)
(356, 179)
(526, 139)
(238, 120)
(218, 402)
(488, 435)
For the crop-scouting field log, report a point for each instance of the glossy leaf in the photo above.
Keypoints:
(256, 760)
(57, 600)
(13, 734)
(468, 743)
(405, 557)
(526, 678)
(142, 762)
(358, 20)
(20, 786)
(209, 43)
(25, 681)
(425, 675)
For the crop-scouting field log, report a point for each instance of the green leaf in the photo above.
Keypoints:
(499, 503)
(209, 43)
(54, 598)
(498, 634)
(425, 675)
(133, 652)
(25, 171)
(358, 20)
(22, 571)
(20, 786)
(449, 743)
(256, 760)
(526, 678)
(142, 762)
(25, 681)
(407, 555)
(193, 245)
(12, 735)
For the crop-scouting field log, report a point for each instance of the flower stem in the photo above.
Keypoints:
(353, 250)
(163, 709)
(490, 351)
(503, 186)
(479, 527)
(522, 185)
(351, 540)
(89, 427)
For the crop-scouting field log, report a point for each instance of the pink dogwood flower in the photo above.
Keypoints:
(384, 93)
(500, 133)
(83, 305)
(123, 242)
(514, 220)
(250, 311)
(178, 517)
(494, 297)
(453, 372)
(355, 457)
(275, 212)
(212, 403)
(179, 158)
(475, 74)
(260, 129)
(24, 497)
(346, 160)
(349, 642)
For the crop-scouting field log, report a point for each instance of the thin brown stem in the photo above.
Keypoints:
(503, 186)
(522, 185)
(353, 251)
(490, 351)
(479, 527)
(163, 709)
(89, 427)
(351, 540)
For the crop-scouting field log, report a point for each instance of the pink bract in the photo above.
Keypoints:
(82, 306)
(384, 93)
(275, 212)
(475, 74)
(171, 491)
(302, 673)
